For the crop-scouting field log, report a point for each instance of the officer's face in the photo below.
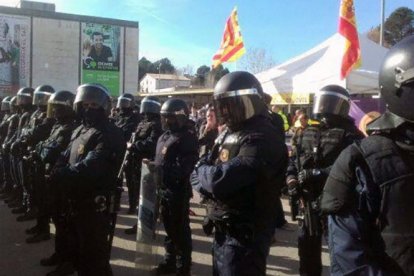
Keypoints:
(169, 122)
(90, 105)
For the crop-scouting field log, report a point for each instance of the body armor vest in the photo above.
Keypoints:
(319, 148)
(392, 171)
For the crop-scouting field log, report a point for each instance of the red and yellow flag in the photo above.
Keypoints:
(232, 47)
(347, 28)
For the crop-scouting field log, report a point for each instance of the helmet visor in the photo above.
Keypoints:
(150, 106)
(124, 102)
(326, 102)
(92, 95)
(5, 106)
(234, 110)
(24, 99)
(40, 98)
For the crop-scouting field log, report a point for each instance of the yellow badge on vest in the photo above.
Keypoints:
(224, 155)
(164, 150)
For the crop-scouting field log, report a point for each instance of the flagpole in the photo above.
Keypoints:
(382, 22)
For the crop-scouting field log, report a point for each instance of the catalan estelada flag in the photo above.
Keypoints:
(347, 28)
(232, 47)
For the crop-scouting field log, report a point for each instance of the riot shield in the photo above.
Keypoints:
(148, 240)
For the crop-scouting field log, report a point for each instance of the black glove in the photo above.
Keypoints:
(307, 175)
(204, 160)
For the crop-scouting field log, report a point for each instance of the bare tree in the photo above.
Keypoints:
(256, 60)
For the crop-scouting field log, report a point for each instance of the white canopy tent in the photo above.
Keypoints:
(294, 80)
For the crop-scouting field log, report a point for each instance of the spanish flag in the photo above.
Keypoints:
(347, 28)
(232, 47)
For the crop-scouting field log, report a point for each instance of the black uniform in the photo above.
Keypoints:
(369, 193)
(244, 183)
(144, 144)
(50, 205)
(176, 154)
(127, 121)
(94, 159)
(318, 149)
(13, 122)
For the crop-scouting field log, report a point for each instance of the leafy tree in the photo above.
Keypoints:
(215, 74)
(201, 75)
(144, 66)
(397, 26)
(163, 66)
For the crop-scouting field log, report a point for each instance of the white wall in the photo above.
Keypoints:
(131, 61)
(55, 53)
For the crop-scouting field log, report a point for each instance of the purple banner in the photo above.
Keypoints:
(364, 110)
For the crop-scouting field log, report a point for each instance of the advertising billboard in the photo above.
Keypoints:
(14, 53)
(101, 47)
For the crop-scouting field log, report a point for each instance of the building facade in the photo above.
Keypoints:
(41, 46)
(153, 83)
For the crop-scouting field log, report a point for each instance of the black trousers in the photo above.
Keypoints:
(91, 232)
(310, 252)
(177, 243)
(133, 179)
(233, 256)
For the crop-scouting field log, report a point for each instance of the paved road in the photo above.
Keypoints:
(19, 258)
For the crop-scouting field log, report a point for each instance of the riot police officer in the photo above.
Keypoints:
(143, 144)
(368, 194)
(5, 109)
(127, 120)
(13, 122)
(89, 178)
(24, 101)
(242, 176)
(52, 204)
(176, 154)
(309, 167)
(37, 129)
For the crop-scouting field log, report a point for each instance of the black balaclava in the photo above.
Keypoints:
(93, 117)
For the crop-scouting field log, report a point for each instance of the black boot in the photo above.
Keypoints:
(53, 260)
(30, 215)
(19, 210)
(39, 237)
(131, 231)
(33, 230)
(166, 267)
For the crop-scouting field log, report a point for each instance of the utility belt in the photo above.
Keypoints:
(108, 202)
(242, 231)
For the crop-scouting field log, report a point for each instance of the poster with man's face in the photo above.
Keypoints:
(101, 46)
(14, 53)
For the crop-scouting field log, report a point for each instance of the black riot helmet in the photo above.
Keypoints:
(92, 103)
(25, 97)
(125, 101)
(331, 100)
(237, 98)
(14, 108)
(150, 104)
(396, 79)
(174, 114)
(5, 104)
(42, 94)
(60, 105)
(92, 93)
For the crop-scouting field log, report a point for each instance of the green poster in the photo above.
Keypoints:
(100, 55)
